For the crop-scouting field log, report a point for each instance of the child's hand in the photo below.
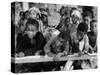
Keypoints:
(21, 54)
(50, 54)
(80, 53)
(38, 52)
(57, 57)
(65, 53)
(95, 49)
(16, 55)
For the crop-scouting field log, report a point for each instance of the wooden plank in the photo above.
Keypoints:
(33, 59)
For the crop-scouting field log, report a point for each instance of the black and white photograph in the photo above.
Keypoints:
(49, 37)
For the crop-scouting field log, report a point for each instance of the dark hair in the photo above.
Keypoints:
(63, 11)
(42, 18)
(87, 13)
(33, 22)
(22, 15)
(27, 11)
(92, 22)
(67, 19)
(83, 27)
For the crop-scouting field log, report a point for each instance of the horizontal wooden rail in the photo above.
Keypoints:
(35, 59)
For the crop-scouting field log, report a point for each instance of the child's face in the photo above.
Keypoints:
(80, 35)
(44, 18)
(93, 27)
(31, 30)
(33, 15)
(75, 19)
(58, 45)
(67, 21)
(87, 20)
(27, 14)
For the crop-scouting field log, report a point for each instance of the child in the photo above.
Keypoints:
(78, 36)
(75, 19)
(92, 35)
(29, 42)
(57, 48)
(64, 16)
(22, 21)
(79, 45)
(62, 32)
(36, 14)
(87, 17)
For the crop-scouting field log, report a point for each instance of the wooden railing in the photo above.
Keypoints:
(35, 59)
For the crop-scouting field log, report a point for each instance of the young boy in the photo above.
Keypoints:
(79, 45)
(56, 48)
(79, 36)
(29, 42)
(87, 17)
(92, 35)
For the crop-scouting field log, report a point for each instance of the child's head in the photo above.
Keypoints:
(93, 26)
(34, 12)
(82, 30)
(75, 15)
(27, 13)
(44, 19)
(32, 27)
(63, 11)
(67, 21)
(22, 15)
(87, 17)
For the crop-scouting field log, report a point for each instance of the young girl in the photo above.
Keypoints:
(36, 14)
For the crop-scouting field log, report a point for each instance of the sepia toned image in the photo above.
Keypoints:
(53, 37)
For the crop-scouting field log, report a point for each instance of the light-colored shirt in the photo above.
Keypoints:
(83, 44)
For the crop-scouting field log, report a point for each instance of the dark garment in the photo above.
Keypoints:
(77, 64)
(92, 38)
(75, 48)
(53, 66)
(24, 43)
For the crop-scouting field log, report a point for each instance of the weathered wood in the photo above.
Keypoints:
(35, 59)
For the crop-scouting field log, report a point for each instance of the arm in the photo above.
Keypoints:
(86, 44)
(95, 47)
(19, 46)
(47, 46)
(53, 37)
